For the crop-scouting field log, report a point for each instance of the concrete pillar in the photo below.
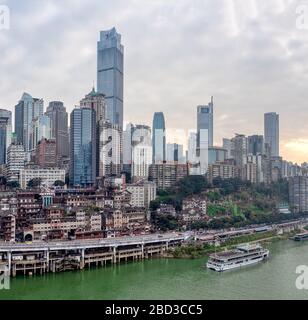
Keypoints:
(82, 259)
(9, 260)
(47, 260)
(114, 259)
(142, 248)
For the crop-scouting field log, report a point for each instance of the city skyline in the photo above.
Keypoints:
(253, 82)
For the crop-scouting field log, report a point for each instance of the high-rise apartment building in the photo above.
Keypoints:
(141, 152)
(109, 149)
(159, 138)
(46, 153)
(56, 111)
(110, 57)
(5, 134)
(298, 194)
(16, 158)
(255, 145)
(239, 153)
(271, 132)
(192, 148)
(83, 150)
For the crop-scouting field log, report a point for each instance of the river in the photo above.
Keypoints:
(172, 279)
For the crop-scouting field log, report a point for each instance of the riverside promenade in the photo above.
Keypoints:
(41, 257)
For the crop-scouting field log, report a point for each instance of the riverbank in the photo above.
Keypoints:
(199, 250)
(171, 279)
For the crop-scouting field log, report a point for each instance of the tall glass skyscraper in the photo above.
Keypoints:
(59, 125)
(271, 132)
(159, 138)
(83, 147)
(255, 145)
(205, 122)
(205, 134)
(110, 56)
(26, 111)
(5, 133)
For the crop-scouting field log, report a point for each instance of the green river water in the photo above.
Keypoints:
(172, 279)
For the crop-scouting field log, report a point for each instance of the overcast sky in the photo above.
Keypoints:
(248, 54)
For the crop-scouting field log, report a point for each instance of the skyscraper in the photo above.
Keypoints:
(271, 132)
(192, 148)
(175, 153)
(255, 145)
(141, 152)
(97, 102)
(41, 129)
(239, 153)
(5, 133)
(159, 138)
(110, 56)
(109, 149)
(205, 134)
(59, 124)
(205, 121)
(83, 147)
(26, 111)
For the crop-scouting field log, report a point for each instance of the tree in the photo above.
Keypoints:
(59, 183)
(13, 184)
(34, 183)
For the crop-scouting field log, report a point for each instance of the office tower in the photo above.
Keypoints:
(239, 153)
(41, 129)
(192, 148)
(26, 111)
(46, 153)
(110, 56)
(205, 122)
(141, 152)
(175, 153)
(159, 138)
(59, 125)
(227, 145)
(109, 149)
(271, 132)
(204, 134)
(217, 154)
(83, 150)
(16, 158)
(255, 145)
(5, 133)
(97, 102)
(298, 194)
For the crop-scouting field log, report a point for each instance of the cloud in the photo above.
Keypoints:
(248, 54)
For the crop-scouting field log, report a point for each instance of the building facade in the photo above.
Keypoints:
(271, 132)
(5, 134)
(83, 150)
(110, 60)
(56, 111)
(159, 138)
